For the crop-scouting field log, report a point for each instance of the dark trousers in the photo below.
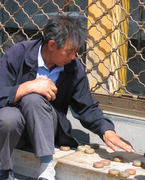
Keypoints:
(38, 117)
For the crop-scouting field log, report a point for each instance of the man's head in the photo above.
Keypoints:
(63, 29)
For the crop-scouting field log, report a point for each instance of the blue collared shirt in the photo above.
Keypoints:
(44, 71)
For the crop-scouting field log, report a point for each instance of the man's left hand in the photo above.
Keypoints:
(113, 141)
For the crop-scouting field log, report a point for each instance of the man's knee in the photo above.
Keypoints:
(32, 99)
(35, 101)
(11, 118)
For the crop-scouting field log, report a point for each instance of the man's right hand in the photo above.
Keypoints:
(41, 85)
(45, 87)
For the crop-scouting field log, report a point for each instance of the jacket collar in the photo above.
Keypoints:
(31, 55)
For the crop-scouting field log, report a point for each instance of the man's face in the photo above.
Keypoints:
(64, 55)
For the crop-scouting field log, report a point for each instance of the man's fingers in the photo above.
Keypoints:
(121, 144)
(112, 146)
(113, 141)
(123, 140)
(50, 95)
(125, 145)
(54, 89)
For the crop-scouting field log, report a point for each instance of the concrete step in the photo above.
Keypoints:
(75, 165)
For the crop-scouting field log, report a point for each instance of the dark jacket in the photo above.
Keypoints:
(19, 64)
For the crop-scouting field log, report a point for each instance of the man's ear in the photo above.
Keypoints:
(52, 45)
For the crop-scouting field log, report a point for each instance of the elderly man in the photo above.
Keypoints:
(39, 79)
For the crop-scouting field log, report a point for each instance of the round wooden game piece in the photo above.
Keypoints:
(64, 148)
(124, 174)
(137, 163)
(143, 164)
(106, 162)
(89, 151)
(81, 148)
(118, 158)
(131, 171)
(113, 171)
(87, 146)
(95, 146)
(98, 164)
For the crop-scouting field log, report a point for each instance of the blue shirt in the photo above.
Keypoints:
(44, 71)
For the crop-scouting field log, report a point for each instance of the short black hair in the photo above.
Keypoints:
(61, 28)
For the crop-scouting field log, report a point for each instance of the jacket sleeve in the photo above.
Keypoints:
(85, 108)
(8, 73)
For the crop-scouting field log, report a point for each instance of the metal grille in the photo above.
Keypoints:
(114, 56)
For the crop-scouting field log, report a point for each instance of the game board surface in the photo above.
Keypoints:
(83, 160)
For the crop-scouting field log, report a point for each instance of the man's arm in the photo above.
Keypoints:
(85, 108)
(41, 85)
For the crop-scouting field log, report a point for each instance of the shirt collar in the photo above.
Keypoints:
(41, 62)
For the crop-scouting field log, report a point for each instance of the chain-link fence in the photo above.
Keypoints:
(114, 55)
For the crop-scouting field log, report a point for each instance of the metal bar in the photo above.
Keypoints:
(125, 106)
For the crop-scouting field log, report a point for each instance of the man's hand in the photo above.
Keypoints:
(41, 85)
(45, 87)
(113, 141)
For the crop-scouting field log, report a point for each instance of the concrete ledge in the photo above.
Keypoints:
(74, 165)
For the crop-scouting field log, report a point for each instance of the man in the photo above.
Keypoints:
(39, 79)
